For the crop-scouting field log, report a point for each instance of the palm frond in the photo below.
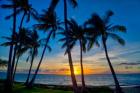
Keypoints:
(73, 2)
(62, 39)
(7, 38)
(49, 48)
(6, 6)
(11, 15)
(107, 16)
(21, 51)
(117, 38)
(7, 44)
(117, 28)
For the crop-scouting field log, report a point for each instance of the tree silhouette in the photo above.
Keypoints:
(8, 84)
(34, 45)
(50, 24)
(74, 3)
(21, 37)
(17, 6)
(76, 33)
(102, 27)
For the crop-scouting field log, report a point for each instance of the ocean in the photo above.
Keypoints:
(91, 80)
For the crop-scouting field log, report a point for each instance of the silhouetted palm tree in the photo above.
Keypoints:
(22, 45)
(34, 45)
(51, 8)
(19, 53)
(26, 8)
(74, 3)
(102, 27)
(18, 6)
(75, 34)
(48, 23)
(8, 84)
(21, 37)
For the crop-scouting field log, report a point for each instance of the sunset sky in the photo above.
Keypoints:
(125, 59)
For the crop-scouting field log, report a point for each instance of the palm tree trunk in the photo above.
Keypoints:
(81, 63)
(118, 88)
(22, 20)
(8, 84)
(14, 56)
(53, 5)
(29, 73)
(13, 62)
(42, 56)
(75, 87)
(15, 68)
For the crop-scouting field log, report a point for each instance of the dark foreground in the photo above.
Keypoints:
(20, 88)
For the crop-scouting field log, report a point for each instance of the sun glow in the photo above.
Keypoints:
(77, 71)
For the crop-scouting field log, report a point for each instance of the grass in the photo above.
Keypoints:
(20, 88)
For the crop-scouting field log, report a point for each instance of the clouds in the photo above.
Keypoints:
(124, 59)
(130, 63)
(121, 58)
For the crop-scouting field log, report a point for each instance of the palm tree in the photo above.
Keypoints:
(75, 87)
(21, 37)
(8, 84)
(34, 45)
(22, 45)
(75, 34)
(52, 7)
(18, 6)
(101, 27)
(48, 23)
(26, 8)
(19, 53)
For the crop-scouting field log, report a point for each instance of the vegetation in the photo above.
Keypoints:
(19, 88)
(75, 34)
(25, 40)
(101, 27)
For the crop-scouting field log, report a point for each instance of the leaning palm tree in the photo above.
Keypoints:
(34, 45)
(19, 53)
(74, 3)
(8, 84)
(22, 45)
(18, 6)
(75, 34)
(102, 27)
(23, 6)
(28, 11)
(21, 37)
(48, 23)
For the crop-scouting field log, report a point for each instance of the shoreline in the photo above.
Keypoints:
(80, 85)
(39, 87)
(88, 86)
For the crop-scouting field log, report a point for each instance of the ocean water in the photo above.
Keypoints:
(93, 80)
